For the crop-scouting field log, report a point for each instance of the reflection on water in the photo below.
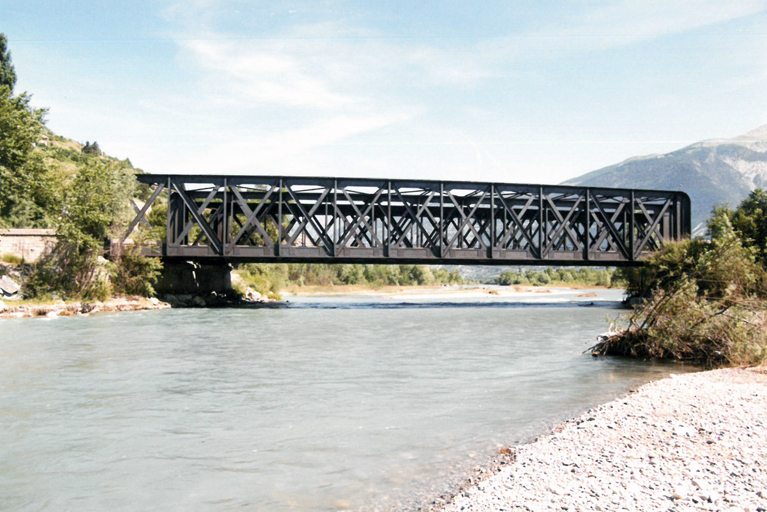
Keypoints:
(329, 403)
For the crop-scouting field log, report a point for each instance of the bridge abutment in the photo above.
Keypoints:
(181, 278)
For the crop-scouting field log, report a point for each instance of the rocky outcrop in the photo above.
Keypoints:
(216, 300)
(9, 289)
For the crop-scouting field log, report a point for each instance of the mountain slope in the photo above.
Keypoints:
(719, 171)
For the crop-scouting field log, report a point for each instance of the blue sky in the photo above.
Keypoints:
(516, 91)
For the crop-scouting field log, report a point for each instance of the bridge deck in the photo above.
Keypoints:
(355, 220)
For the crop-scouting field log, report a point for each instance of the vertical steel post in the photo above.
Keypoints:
(632, 241)
(441, 220)
(492, 221)
(225, 220)
(387, 247)
(168, 218)
(280, 223)
(335, 217)
(541, 234)
(587, 247)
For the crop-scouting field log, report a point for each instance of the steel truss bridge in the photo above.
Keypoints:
(353, 220)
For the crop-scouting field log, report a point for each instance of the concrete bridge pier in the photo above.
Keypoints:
(192, 283)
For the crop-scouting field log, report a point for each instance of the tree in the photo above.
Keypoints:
(7, 72)
(27, 196)
(95, 208)
(749, 220)
(92, 149)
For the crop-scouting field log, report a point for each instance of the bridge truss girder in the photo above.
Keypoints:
(291, 219)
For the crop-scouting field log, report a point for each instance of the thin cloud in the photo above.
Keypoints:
(259, 72)
(288, 152)
(632, 20)
(323, 83)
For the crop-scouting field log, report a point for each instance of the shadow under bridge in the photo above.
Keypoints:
(354, 220)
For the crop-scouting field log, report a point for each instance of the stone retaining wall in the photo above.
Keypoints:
(29, 244)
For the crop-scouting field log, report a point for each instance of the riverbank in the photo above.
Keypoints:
(29, 309)
(690, 442)
(365, 290)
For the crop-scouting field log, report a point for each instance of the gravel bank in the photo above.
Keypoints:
(690, 442)
(61, 308)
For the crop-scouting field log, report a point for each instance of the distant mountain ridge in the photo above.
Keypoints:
(716, 171)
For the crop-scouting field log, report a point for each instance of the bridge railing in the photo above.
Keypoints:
(273, 218)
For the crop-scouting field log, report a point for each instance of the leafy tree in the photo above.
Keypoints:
(92, 149)
(28, 191)
(720, 221)
(750, 222)
(95, 207)
(7, 71)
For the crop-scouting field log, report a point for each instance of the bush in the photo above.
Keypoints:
(685, 326)
(706, 304)
(719, 268)
(68, 273)
(663, 268)
(134, 274)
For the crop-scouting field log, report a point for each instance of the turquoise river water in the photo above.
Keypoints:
(328, 404)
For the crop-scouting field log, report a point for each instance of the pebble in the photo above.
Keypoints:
(696, 441)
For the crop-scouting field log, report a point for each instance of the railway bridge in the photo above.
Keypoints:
(214, 221)
(280, 219)
(354, 220)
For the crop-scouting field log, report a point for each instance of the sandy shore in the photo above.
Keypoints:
(690, 442)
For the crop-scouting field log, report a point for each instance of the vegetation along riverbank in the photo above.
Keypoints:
(704, 301)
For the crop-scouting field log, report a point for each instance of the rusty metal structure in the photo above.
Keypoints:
(356, 220)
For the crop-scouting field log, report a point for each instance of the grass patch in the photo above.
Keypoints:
(11, 259)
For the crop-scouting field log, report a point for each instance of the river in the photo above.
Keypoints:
(331, 403)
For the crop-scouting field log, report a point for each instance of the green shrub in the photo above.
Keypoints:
(706, 304)
(134, 274)
(683, 325)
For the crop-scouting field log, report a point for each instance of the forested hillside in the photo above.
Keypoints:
(47, 181)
